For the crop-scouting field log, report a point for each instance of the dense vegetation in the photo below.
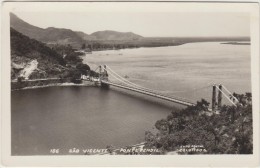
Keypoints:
(24, 46)
(68, 53)
(229, 132)
(58, 61)
(150, 42)
(24, 50)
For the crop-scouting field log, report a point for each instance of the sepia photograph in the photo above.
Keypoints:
(108, 79)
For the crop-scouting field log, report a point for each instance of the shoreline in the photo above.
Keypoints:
(55, 85)
(237, 43)
(174, 45)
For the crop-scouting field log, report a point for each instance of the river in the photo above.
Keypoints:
(90, 117)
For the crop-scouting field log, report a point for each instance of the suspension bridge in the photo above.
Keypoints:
(123, 83)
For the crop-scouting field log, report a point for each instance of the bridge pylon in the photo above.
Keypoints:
(219, 96)
(103, 76)
(216, 97)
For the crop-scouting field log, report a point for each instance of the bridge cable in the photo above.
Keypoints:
(158, 91)
(120, 80)
(127, 80)
(180, 91)
(230, 93)
(143, 88)
(193, 90)
(226, 96)
(133, 85)
(96, 67)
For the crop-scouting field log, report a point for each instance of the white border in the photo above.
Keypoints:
(165, 160)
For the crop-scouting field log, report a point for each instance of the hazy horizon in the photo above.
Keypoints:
(150, 25)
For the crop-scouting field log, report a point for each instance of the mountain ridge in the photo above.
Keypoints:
(63, 36)
(115, 35)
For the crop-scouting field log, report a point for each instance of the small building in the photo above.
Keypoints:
(85, 77)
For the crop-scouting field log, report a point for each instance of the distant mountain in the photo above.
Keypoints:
(52, 35)
(61, 36)
(48, 35)
(85, 36)
(114, 35)
(107, 39)
(25, 28)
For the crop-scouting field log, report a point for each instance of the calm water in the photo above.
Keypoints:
(182, 70)
(90, 117)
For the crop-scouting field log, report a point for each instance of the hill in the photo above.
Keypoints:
(52, 35)
(114, 35)
(49, 35)
(33, 59)
(25, 28)
(104, 40)
(85, 36)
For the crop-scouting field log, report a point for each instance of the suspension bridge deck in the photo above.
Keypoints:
(150, 93)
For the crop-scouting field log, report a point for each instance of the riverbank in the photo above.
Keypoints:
(85, 83)
(160, 44)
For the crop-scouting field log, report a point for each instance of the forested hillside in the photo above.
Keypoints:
(192, 131)
(32, 59)
(25, 50)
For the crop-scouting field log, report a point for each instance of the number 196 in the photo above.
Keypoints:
(54, 151)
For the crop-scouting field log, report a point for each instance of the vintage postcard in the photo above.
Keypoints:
(130, 83)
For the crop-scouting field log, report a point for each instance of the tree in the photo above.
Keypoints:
(249, 97)
(83, 68)
(243, 98)
(202, 105)
(162, 125)
(74, 76)
(93, 73)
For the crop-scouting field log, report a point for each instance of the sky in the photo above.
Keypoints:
(148, 24)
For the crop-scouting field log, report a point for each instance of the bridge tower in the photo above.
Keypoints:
(105, 74)
(219, 96)
(103, 77)
(214, 95)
